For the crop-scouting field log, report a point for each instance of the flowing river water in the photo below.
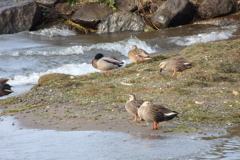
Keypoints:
(26, 56)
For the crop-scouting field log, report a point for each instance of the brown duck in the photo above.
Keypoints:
(176, 64)
(155, 113)
(132, 106)
(105, 63)
(5, 88)
(138, 55)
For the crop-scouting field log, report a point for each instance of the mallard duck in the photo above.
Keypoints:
(176, 64)
(132, 106)
(138, 55)
(5, 88)
(155, 113)
(105, 63)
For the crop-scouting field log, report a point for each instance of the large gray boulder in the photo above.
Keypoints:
(91, 14)
(18, 16)
(121, 21)
(214, 8)
(173, 13)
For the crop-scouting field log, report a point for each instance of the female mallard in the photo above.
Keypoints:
(5, 88)
(155, 113)
(138, 55)
(176, 64)
(132, 106)
(105, 63)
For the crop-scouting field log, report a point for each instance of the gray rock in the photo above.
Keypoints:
(222, 21)
(173, 13)
(121, 21)
(214, 8)
(91, 14)
(18, 16)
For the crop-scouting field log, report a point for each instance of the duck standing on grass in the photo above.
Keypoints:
(155, 113)
(138, 55)
(132, 106)
(176, 64)
(5, 88)
(105, 63)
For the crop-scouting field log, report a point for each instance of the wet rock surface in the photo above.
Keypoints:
(215, 8)
(173, 13)
(222, 21)
(18, 16)
(121, 21)
(91, 14)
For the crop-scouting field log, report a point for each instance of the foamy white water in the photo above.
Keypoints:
(204, 37)
(116, 47)
(54, 32)
(72, 69)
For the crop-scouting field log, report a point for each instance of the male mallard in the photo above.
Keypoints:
(176, 64)
(105, 63)
(132, 106)
(5, 88)
(155, 113)
(138, 55)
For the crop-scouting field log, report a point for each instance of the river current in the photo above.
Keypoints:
(26, 56)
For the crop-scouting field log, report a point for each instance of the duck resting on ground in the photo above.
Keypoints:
(5, 88)
(105, 63)
(176, 64)
(132, 106)
(138, 55)
(155, 113)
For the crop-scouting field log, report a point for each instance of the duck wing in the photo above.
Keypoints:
(142, 53)
(112, 60)
(133, 106)
(164, 113)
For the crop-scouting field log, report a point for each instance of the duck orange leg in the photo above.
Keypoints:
(173, 73)
(180, 74)
(155, 126)
(135, 119)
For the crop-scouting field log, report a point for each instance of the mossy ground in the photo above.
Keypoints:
(203, 95)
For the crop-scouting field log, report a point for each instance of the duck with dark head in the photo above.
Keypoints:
(5, 88)
(105, 63)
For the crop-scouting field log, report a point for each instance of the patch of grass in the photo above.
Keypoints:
(212, 79)
(15, 110)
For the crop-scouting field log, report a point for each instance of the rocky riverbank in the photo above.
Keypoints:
(101, 16)
(207, 96)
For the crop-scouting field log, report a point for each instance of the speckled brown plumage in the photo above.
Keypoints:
(138, 55)
(132, 106)
(176, 64)
(155, 113)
